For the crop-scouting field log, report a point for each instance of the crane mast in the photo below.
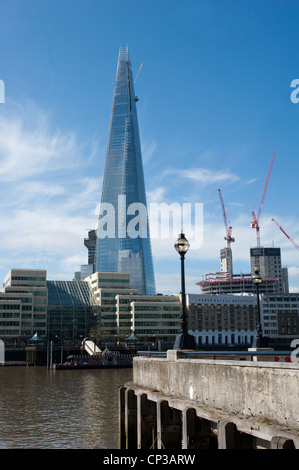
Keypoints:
(229, 239)
(256, 220)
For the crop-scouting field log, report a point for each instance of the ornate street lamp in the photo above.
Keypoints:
(257, 279)
(183, 340)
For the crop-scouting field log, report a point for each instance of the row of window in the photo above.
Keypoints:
(9, 307)
(27, 278)
(157, 324)
(175, 308)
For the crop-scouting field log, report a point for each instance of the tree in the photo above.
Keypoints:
(99, 333)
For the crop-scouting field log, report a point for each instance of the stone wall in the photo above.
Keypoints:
(266, 391)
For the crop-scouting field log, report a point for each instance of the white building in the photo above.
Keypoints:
(23, 305)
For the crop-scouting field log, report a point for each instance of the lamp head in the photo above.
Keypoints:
(256, 277)
(182, 245)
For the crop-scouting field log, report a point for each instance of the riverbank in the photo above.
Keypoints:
(14, 364)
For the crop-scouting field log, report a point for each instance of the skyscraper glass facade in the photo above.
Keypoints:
(123, 202)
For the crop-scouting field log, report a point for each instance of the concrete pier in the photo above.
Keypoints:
(176, 403)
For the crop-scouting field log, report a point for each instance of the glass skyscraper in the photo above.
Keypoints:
(123, 239)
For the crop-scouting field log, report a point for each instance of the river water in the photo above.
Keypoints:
(56, 409)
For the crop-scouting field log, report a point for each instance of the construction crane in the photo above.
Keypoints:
(285, 233)
(229, 239)
(255, 222)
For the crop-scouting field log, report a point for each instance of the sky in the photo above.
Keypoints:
(215, 102)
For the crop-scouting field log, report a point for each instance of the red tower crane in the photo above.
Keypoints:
(255, 222)
(285, 233)
(228, 229)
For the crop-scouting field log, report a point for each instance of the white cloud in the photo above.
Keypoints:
(47, 198)
(294, 290)
(171, 283)
(30, 146)
(294, 271)
(156, 195)
(207, 176)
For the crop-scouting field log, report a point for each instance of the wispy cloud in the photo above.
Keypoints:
(148, 149)
(31, 146)
(47, 197)
(205, 176)
(156, 195)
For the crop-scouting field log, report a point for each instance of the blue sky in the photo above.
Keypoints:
(215, 103)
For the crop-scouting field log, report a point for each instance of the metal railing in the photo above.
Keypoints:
(278, 356)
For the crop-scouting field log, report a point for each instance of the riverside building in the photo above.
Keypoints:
(65, 311)
(152, 318)
(280, 317)
(104, 288)
(23, 306)
(223, 319)
(124, 310)
(230, 319)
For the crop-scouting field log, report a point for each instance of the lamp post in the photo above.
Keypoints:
(257, 279)
(183, 340)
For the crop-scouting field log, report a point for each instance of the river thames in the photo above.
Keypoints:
(56, 409)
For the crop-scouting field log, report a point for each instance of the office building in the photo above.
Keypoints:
(124, 311)
(152, 318)
(123, 238)
(23, 306)
(268, 261)
(280, 317)
(224, 319)
(104, 288)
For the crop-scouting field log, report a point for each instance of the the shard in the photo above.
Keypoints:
(123, 242)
